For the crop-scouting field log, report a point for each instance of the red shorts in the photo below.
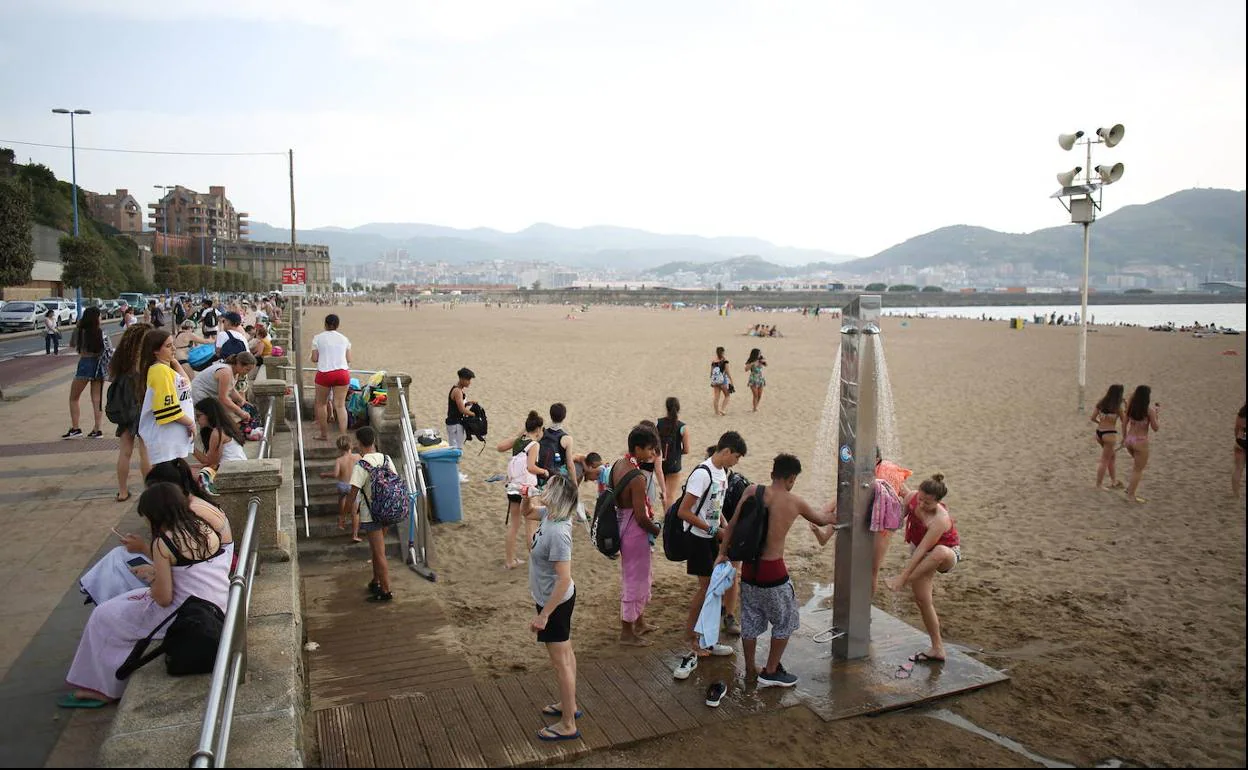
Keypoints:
(339, 378)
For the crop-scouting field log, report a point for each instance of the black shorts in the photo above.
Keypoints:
(514, 498)
(559, 624)
(702, 554)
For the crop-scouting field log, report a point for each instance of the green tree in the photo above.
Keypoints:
(17, 257)
(389, 288)
(876, 287)
(82, 264)
(932, 289)
(537, 286)
(1138, 291)
(188, 277)
(901, 287)
(338, 287)
(165, 272)
(357, 286)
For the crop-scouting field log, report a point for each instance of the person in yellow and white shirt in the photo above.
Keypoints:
(167, 419)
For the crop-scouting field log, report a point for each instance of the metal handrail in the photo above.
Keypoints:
(418, 551)
(303, 463)
(230, 668)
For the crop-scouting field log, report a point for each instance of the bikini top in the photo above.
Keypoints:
(181, 561)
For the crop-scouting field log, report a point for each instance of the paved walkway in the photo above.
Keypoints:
(57, 508)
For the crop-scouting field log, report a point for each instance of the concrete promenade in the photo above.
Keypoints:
(57, 509)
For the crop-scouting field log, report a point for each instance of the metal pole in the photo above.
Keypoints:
(1083, 318)
(296, 324)
(73, 165)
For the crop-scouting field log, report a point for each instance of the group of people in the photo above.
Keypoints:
(1125, 425)
(545, 475)
(722, 387)
(763, 330)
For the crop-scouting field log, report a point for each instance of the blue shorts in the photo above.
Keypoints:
(88, 368)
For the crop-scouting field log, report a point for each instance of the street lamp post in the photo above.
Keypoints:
(1082, 207)
(73, 166)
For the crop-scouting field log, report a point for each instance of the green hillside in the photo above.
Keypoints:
(51, 204)
(1201, 230)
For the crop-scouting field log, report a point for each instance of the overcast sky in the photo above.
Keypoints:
(834, 124)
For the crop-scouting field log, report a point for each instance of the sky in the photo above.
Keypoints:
(840, 125)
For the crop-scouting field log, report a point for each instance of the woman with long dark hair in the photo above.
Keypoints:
(219, 433)
(92, 345)
(754, 367)
(674, 442)
(1109, 412)
(123, 371)
(721, 382)
(167, 418)
(188, 560)
(1142, 417)
(522, 474)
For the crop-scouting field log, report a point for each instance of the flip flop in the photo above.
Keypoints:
(904, 671)
(121, 499)
(923, 657)
(71, 701)
(553, 711)
(549, 734)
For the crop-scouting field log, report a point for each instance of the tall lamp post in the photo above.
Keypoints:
(164, 192)
(73, 165)
(1077, 198)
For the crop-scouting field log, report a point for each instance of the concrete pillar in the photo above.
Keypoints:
(237, 483)
(391, 428)
(267, 390)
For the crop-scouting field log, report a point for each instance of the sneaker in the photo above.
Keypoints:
(95, 434)
(686, 667)
(778, 678)
(722, 650)
(72, 433)
(731, 626)
(715, 693)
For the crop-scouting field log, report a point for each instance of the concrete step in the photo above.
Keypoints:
(336, 548)
(318, 487)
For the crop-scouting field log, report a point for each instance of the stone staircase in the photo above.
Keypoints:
(322, 541)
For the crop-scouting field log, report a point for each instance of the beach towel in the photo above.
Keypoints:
(885, 508)
(707, 627)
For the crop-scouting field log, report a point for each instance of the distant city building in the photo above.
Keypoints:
(185, 212)
(120, 210)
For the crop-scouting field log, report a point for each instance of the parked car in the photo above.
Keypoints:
(66, 311)
(134, 299)
(20, 315)
(109, 308)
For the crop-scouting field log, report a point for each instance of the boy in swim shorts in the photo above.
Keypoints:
(343, 466)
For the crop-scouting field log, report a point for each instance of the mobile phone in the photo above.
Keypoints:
(138, 561)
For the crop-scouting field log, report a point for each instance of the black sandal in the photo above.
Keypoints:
(121, 499)
(381, 596)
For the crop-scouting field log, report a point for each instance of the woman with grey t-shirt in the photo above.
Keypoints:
(554, 593)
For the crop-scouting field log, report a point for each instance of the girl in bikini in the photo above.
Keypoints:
(1241, 440)
(1109, 411)
(934, 547)
(1141, 418)
(720, 382)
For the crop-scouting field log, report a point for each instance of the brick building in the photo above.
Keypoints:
(198, 215)
(120, 210)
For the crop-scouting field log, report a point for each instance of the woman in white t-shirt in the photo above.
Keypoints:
(167, 418)
(331, 352)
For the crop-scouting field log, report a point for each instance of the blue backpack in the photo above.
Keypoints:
(200, 356)
(388, 501)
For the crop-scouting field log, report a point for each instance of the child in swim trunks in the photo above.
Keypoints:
(343, 466)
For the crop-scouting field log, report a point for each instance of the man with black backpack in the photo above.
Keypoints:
(756, 536)
(555, 448)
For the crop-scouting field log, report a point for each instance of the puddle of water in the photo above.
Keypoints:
(819, 592)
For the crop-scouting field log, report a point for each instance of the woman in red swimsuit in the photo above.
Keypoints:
(934, 547)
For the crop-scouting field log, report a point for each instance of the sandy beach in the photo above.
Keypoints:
(1121, 625)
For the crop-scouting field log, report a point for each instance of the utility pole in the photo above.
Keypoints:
(296, 303)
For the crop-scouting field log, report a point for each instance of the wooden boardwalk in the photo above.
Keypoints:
(385, 692)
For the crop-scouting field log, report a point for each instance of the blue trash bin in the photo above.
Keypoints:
(443, 475)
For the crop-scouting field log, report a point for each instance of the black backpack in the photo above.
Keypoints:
(737, 484)
(121, 403)
(208, 318)
(605, 529)
(158, 317)
(550, 451)
(232, 346)
(179, 314)
(749, 531)
(671, 446)
(675, 538)
(477, 425)
(190, 645)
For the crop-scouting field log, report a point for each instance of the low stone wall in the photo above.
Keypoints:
(159, 718)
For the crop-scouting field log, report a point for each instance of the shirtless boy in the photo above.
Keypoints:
(767, 594)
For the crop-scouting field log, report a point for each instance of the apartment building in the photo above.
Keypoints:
(120, 210)
(198, 215)
(264, 261)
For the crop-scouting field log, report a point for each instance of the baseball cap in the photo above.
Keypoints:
(233, 318)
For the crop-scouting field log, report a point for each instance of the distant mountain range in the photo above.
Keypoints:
(584, 247)
(1201, 230)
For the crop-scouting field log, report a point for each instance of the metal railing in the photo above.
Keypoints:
(303, 463)
(230, 668)
(418, 547)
